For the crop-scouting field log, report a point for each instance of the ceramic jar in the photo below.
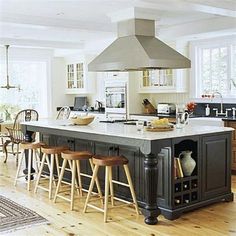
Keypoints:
(187, 162)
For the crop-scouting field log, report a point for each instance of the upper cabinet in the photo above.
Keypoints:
(75, 77)
(78, 79)
(162, 81)
(166, 81)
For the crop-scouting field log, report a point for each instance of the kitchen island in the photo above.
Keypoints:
(151, 160)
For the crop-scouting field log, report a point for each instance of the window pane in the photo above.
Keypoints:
(32, 77)
(214, 70)
(233, 70)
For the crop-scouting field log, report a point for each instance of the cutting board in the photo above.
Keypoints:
(160, 129)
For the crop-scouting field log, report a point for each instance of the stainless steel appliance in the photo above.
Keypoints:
(166, 108)
(116, 98)
(136, 48)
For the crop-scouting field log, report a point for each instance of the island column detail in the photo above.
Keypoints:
(151, 210)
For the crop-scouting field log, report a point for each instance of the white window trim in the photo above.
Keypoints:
(195, 50)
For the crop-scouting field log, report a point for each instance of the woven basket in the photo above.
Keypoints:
(82, 120)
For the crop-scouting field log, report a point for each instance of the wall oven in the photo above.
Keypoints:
(116, 96)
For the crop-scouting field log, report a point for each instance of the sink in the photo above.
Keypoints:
(207, 121)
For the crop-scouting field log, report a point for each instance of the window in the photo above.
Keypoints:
(214, 67)
(32, 78)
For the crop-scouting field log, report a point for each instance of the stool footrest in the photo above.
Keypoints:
(65, 198)
(120, 183)
(41, 187)
(95, 207)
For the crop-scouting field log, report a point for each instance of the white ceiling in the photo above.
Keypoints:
(90, 24)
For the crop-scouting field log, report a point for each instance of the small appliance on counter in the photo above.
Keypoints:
(148, 107)
(80, 104)
(166, 108)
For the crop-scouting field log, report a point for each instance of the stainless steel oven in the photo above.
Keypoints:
(115, 97)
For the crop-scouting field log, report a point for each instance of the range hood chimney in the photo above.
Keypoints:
(136, 48)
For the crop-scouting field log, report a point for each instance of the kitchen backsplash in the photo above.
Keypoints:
(200, 108)
(168, 98)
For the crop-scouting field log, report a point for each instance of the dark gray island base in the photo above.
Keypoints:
(151, 162)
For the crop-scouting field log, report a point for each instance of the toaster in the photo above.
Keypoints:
(166, 108)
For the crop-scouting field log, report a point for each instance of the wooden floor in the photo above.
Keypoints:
(217, 219)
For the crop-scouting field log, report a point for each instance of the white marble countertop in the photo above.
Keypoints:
(125, 131)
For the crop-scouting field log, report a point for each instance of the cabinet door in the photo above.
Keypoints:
(75, 78)
(215, 165)
(233, 125)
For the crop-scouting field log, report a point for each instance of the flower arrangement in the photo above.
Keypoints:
(9, 110)
(190, 107)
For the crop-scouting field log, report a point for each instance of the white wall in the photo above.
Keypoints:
(58, 85)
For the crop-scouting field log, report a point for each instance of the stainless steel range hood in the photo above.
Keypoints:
(136, 48)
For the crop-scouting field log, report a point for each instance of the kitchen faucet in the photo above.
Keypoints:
(221, 105)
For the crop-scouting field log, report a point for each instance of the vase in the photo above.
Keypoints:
(187, 162)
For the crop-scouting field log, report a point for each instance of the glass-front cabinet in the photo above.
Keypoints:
(75, 78)
(162, 81)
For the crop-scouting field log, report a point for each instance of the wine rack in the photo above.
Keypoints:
(186, 189)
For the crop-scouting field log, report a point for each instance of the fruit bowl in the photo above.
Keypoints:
(82, 120)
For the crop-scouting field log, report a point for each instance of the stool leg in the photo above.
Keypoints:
(73, 170)
(29, 168)
(57, 165)
(111, 186)
(79, 177)
(51, 176)
(60, 179)
(131, 187)
(17, 152)
(19, 166)
(40, 172)
(97, 181)
(36, 157)
(91, 186)
(77, 186)
(106, 193)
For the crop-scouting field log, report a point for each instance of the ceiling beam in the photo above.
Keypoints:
(183, 5)
(47, 23)
(207, 26)
(41, 43)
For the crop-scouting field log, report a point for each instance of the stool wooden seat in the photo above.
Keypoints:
(33, 156)
(50, 154)
(108, 162)
(74, 158)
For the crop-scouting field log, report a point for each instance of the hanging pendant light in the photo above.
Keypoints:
(8, 86)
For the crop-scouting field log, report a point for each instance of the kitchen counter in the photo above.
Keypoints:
(151, 160)
(120, 130)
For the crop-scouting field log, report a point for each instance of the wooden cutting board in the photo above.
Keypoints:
(160, 129)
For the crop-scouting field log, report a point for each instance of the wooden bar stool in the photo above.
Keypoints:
(50, 154)
(34, 155)
(74, 158)
(108, 162)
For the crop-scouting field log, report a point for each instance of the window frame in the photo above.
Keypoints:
(195, 56)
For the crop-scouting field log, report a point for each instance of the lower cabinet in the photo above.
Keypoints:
(215, 166)
(233, 125)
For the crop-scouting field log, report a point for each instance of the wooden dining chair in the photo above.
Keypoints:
(63, 113)
(15, 135)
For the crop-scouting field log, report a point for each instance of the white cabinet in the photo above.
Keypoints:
(78, 79)
(162, 81)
